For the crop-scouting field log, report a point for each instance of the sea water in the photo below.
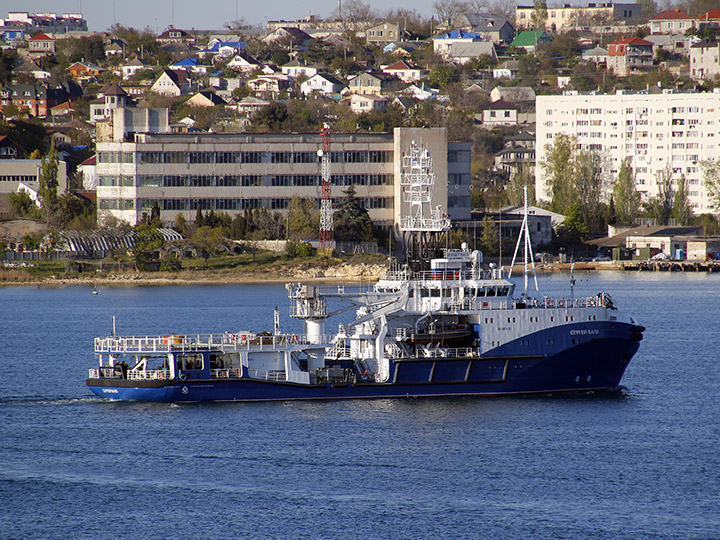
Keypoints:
(643, 462)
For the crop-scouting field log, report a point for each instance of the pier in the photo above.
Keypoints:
(671, 266)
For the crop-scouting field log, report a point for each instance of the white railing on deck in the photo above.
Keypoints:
(463, 352)
(487, 302)
(439, 275)
(180, 343)
(278, 375)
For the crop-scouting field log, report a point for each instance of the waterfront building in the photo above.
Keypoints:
(655, 131)
(232, 172)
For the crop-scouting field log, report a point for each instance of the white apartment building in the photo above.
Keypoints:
(655, 131)
(233, 172)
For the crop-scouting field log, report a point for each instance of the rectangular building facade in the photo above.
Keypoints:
(14, 172)
(233, 172)
(656, 131)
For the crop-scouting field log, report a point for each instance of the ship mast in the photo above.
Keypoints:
(424, 225)
(527, 248)
(327, 228)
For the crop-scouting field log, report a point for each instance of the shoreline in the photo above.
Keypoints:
(347, 273)
(344, 273)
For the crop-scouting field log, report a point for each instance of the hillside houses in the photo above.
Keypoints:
(490, 27)
(405, 71)
(629, 56)
(672, 21)
(322, 83)
(131, 67)
(172, 83)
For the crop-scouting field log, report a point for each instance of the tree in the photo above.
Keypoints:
(147, 240)
(561, 174)
(711, 180)
(682, 211)
(444, 74)
(577, 180)
(660, 206)
(75, 212)
(155, 215)
(271, 118)
(199, 219)
(515, 189)
(590, 183)
(489, 239)
(539, 14)
(181, 225)
(649, 8)
(23, 205)
(303, 220)
(208, 241)
(573, 230)
(355, 12)
(47, 193)
(352, 222)
(447, 10)
(626, 198)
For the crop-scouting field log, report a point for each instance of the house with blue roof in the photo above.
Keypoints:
(443, 43)
(223, 49)
(192, 65)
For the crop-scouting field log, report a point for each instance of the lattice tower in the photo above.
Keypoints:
(327, 228)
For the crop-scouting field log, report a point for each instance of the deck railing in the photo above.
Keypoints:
(107, 372)
(462, 352)
(185, 342)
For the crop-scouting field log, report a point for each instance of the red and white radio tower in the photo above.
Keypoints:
(327, 229)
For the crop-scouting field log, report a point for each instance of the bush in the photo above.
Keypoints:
(290, 249)
(304, 249)
(170, 264)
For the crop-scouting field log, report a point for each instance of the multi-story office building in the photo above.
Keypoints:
(234, 172)
(657, 132)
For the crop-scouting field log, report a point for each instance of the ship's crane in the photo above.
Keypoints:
(327, 228)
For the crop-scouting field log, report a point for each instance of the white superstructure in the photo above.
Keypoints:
(653, 130)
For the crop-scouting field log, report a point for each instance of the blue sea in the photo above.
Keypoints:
(643, 462)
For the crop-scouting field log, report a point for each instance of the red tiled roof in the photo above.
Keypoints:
(712, 14)
(402, 64)
(41, 37)
(631, 41)
(671, 15)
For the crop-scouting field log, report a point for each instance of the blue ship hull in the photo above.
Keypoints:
(578, 357)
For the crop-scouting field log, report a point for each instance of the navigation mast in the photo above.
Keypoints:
(327, 228)
(424, 224)
(527, 248)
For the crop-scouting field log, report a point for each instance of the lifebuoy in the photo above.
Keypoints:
(561, 303)
(222, 374)
(231, 337)
(160, 375)
(294, 338)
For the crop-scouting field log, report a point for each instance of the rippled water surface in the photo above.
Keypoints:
(641, 463)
